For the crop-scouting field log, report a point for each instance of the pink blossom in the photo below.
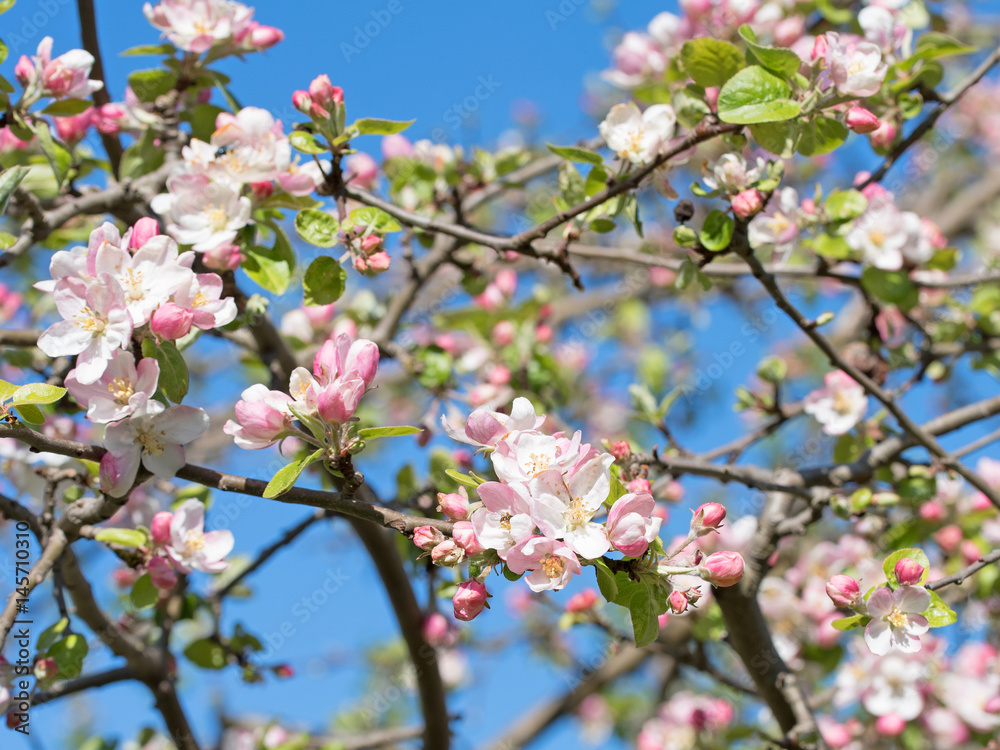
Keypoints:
(884, 136)
(582, 601)
(437, 631)
(677, 602)
(469, 600)
(707, 518)
(427, 537)
(160, 528)
(95, 323)
(552, 563)
(778, 225)
(505, 520)
(448, 553)
(198, 25)
(465, 537)
(73, 129)
(396, 145)
(748, 203)
(200, 212)
(897, 619)
(372, 264)
(454, 504)
(839, 405)
(63, 77)
(639, 485)
(856, 67)
(153, 435)
(638, 136)
(191, 547)
(638, 58)
(631, 525)
(122, 389)
(861, 120)
(908, 572)
(162, 573)
(621, 449)
(362, 168)
(723, 568)
(171, 322)
(844, 591)
(324, 92)
(201, 296)
(262, 417)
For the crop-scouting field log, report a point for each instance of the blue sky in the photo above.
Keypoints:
(459, 68)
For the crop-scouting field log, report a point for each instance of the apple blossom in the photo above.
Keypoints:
(856, 67)
(198, 25)
(638, 137)
(159, 528)
(448, 553)
(154, 435)
(708, 517)
(464, 535)
(122, 388)
(427, 537)
(191, 547)
(638, 58)
(201, 212)
(162, 573)
(582, 601)
(722, 568)
(861, 120)
(778, 225)
(632, 525)
(909, 572)
(552, 563)
(839, 405)
(262, 418)
(844, 591)
(505, 520)
(95, 323)
(748, 203)
(454, 504)
(469, 600)
(66, 76)
(362, 169)
(897, 619)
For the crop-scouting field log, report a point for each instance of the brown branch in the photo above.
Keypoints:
(69, 687)
(88, 35)
(959, 577)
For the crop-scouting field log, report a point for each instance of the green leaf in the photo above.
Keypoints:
(144, 594)
(780, 138)
(51, 634)
(142, 157)
(617, 490)
(69, 654)
(754, 95)
(602, 226)
(783, 62)
(173, 369)
(9, 180)
(849, 623)
(375, 126)
(6, 5)
(597, 180)
(57, 157)
(844, 205)
(914, 553)
(939, 614)
(37, 393)
(31, 414)
(375, 219)
(509, 574)
(890, 286)
(324, 281)
(711, 62)
(606, 580)
(67, 107)
(821, 136)
(317, 227)
(645, 625)
(147, 85)
(285, 478)
(717, 232)
(933, 45)
(833, 13)
(206, 653)
(832, 247)
(576, 153)
(7, 390)
(372, 433)
(149, 49)
(121, 537)
(307, 143)
(270, 267)
(461, 478)
(847, 449)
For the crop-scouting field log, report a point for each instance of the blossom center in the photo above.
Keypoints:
(897, 619)
(855, 67)
(121, 390)
(194, 541)
(553, 566)
(577, 515)
(88, 320)
(151, 439)
(216, 216)
(537, 463)
(505, 521)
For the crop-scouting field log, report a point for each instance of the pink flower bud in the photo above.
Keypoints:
(819, 48)
(46, 669)
(337, 402)
(395, 145)
(74, 128)
(454, 504)
(24, 71)
(124, 578)
(503, 333)
(931, 511)
(949, 538)
(371, 244)
(142, 231)
(160, 527)
(263, 37)
(302, 101)
(469, 600)
(861, 120)
(543, 333)
(638, 485)
(674, 492)
(171, 322)
(465, 537)
(789, 30)
(324, 92)
(223, 258)
(890, 725)
(162, 573)
(884, 136)
(427, 537)
(970, 551)
(843, 590)
(723, 568)
(437, 631)
(621, 449)
(748, 203)
(284, 671)
(582, 601)
(908, 572)
(261, 190)
(712, 96)
(108, 118)
(363, 168)
(677, 602)
(707, 518)
(448, 553)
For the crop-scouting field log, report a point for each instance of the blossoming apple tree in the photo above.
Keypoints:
(835, 585)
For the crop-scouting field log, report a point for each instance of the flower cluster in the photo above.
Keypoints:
(212, 195)
(63, 77)
(223, 26)
(182, 544)
(323, 400)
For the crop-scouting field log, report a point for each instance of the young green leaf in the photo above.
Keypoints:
(576, 153)
(37, 393)
(324, 281)
(173, 369)
(376, 126)
(317, 227)
(285, 478)
(121, 537)
(711, 62)
(755, 95)
(144, 594)
(371, 433)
